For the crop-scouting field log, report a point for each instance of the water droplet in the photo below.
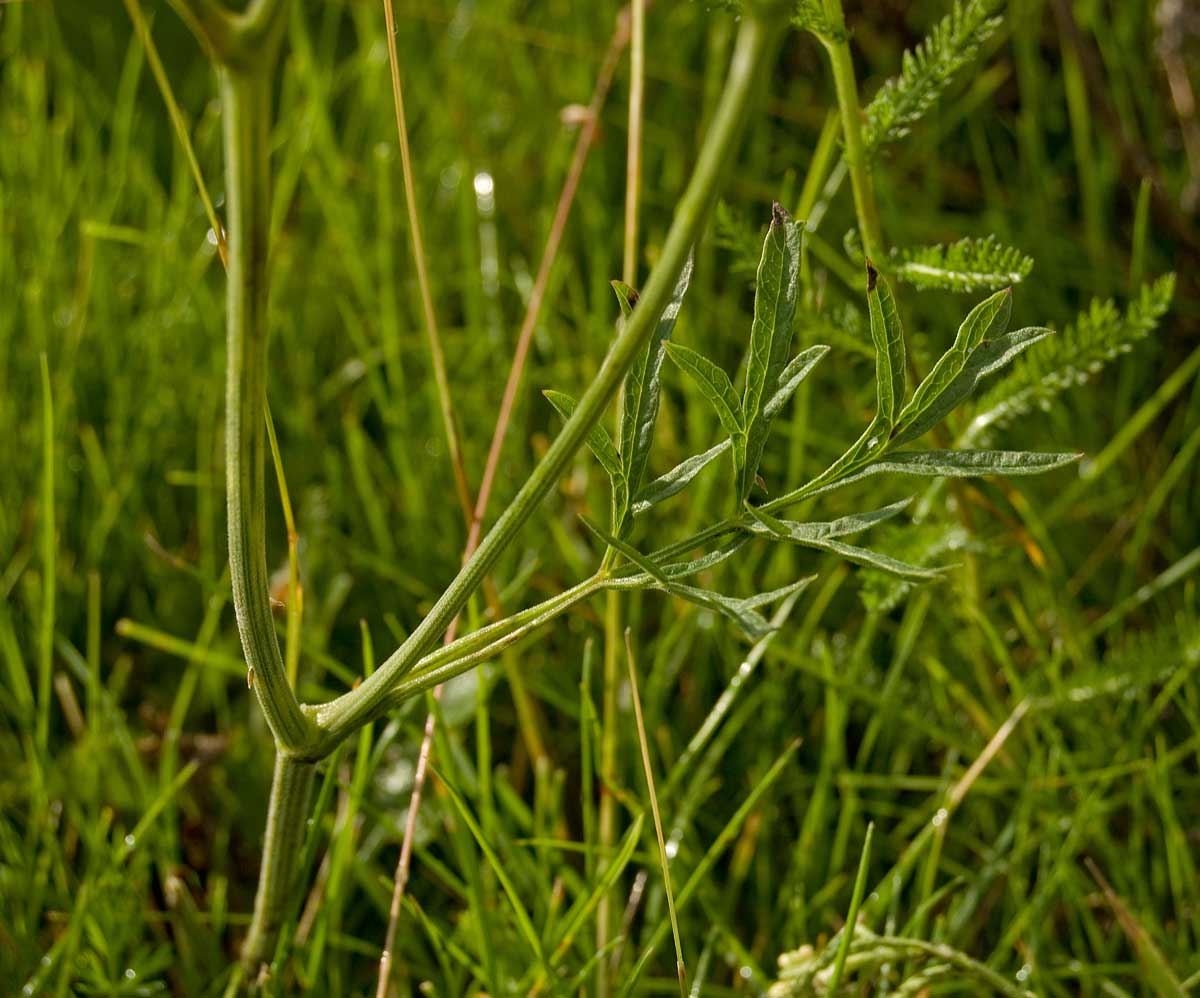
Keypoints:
(130, 973)
(1024, 972)
(940, 818)
(211, 236)
(672, 848)
(745, 973)
(130, 841)
(485, 193)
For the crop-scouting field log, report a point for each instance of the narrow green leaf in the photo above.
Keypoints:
(627, 296)
(860, 886)
(823, 541)
(524, 923)
(715, 385)
(754, 624)
(874, 559)
(798, 368)
(987, 320)
(700, 874)
(640, 402)
(764, 523)
(680, 569)
(969, 463)
(601, 445)
(888, 337)
(989, 357)
(775, 595)
(1158, 973)
(770, 334)
(677, 479)
(598, 440)
(583, 908)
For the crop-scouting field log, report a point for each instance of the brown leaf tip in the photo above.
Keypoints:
(633, 299)
(779, 214)
(872, 276)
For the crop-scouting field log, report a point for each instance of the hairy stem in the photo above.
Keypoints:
(246, 110)
(345, 714)
(287, 812)
(842, 65)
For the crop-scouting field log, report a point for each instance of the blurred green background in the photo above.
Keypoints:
(1076, 596)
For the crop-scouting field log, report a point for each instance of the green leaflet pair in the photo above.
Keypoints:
(981, 347)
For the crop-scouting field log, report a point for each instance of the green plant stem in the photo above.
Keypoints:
(606, 828)
(287, 812)
(246, 111)
(348, 712)
(609, 724)
(842, 65)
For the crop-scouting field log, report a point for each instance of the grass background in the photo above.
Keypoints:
(132, 790)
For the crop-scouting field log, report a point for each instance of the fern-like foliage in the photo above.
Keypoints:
(927, 71)
(807, 972)
(732, 232)
(967, 265)
(808, 15)
(1058, 362)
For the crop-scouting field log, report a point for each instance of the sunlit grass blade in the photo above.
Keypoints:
(662, 845)
(702, 869)
(860, 886)
(1159, 974)
(524, 923)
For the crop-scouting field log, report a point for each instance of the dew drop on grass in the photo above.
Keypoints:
(130, 841)
(130, 973)
(671, 849)
(940, 817)
(485, 193)
(1023, 973)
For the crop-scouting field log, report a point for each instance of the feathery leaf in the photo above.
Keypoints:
(967, 265)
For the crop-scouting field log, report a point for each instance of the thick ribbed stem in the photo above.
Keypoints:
(246, 112)
(287, 814)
